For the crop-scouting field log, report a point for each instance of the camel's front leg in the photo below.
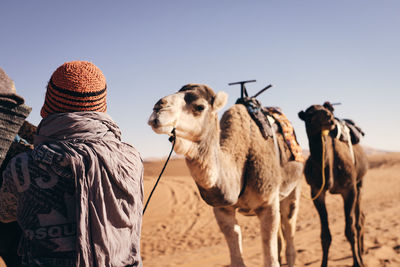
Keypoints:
(228, 224)
(326, 237)
(350, 202)
(360, 220)
(269, 219)
(289, 209)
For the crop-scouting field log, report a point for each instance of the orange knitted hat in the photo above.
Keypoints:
(75, 86)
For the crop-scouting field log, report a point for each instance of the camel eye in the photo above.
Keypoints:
(199, 108)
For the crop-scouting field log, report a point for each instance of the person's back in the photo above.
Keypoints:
(78, 195)
(45, 207)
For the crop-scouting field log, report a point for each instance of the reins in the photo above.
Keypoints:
(324, 133)
(172, 138)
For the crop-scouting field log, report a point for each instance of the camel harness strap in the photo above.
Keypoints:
(172, 139)
(324, 133)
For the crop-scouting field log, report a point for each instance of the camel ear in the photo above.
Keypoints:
(220, 100)
(302, 115)
(329, 106)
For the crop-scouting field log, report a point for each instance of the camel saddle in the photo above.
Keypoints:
(344, 126)
(270, 120)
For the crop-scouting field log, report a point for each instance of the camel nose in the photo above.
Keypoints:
(155, 122)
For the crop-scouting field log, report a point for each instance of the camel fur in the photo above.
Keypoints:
(343, 176)
(231, 155)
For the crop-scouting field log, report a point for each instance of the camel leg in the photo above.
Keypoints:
(270, 219)
(360, 220)
(289, 210)
(280, 244)
(350, 201)
(228, 224)
(326, 237)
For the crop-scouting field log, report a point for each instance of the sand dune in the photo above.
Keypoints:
(179, 229)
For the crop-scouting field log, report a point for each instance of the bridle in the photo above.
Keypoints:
(324, 133)
(172, 139)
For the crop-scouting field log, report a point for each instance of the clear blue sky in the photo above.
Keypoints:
(311, 51)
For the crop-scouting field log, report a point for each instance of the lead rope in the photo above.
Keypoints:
(172, 138)
(323, 134)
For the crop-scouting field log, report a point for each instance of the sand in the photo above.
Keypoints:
(179, 228)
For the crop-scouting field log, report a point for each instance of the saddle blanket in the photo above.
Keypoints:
(288, 132)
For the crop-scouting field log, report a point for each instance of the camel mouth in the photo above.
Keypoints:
(329, 125)
(163, 129)
(159, 124)
(159, 127)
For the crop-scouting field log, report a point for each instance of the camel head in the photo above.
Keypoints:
(318, 118)
(192, 111)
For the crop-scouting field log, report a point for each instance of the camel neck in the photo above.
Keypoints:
(215, 171)
(316, 147)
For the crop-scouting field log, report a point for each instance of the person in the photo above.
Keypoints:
(13, 129)
(78, 195)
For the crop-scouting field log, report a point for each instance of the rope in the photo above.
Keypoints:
(172, 139)
(323, 134)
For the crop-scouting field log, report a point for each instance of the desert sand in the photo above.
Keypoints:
(179, 229)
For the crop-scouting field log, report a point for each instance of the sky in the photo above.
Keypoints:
(311, 51)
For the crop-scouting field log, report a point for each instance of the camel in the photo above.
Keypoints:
(344, 171)
(234, 167)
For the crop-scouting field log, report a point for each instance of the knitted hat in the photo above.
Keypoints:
(8, 94)
(75, 86)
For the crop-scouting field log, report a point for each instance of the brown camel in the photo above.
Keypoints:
(10, 233)
(234, 167)
(344, 169)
